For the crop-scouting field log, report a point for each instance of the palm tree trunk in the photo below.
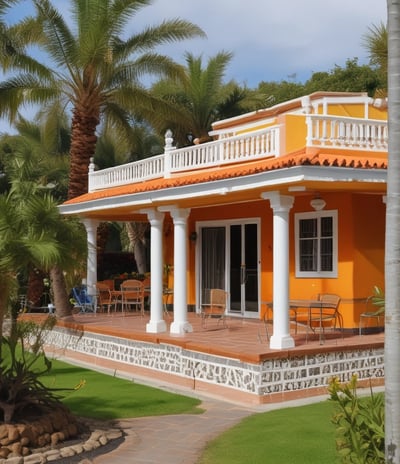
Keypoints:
(83, 145)
(36, 287)
(392, 244)
(61, 297)
(136, 233)
(5, 286)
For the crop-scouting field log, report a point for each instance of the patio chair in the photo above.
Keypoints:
(105, 298)
(84, 301)
(328, 314)
(371, 313)
(132, 292)
(216, 308)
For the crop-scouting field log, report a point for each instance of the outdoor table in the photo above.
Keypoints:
(310, 305)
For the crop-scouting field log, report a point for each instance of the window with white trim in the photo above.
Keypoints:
(316, 244)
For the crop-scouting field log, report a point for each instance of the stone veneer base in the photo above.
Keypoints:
(274, 379)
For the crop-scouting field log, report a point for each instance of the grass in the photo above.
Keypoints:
(301, 435)
(102, 396)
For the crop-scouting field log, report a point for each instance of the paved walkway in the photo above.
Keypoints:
(177, 439)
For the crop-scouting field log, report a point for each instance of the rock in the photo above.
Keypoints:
(4, 452)
(36, 458)
(67, 452)
(13, 434)
(114, 434)
(15, 460)
(3, 431)
(103, 440)
(16, 449)
(77, 448)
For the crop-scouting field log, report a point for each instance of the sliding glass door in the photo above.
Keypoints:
(229, 259)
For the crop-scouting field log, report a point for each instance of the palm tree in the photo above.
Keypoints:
(23, 242)
(376, 42)
(95, 67)
(392, 251)
(32, 172)
(200, 97)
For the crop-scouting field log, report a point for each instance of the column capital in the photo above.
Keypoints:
(153, 214)
(176, 212)
(90, 223)
(279, 203)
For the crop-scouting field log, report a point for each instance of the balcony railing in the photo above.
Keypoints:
(352, 133)
(255, 145)
(321, 131)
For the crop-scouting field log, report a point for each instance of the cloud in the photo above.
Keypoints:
(271, 40)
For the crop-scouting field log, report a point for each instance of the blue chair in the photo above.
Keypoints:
(84, 301)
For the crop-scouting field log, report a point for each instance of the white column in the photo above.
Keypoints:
(157, 323)
(180, 324)
(281, 205)
(91, 271)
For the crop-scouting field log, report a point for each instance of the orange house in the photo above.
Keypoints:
(285, 203)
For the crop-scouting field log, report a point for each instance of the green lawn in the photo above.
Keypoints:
(106, 397)
(301, 435)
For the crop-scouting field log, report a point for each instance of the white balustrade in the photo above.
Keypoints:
(322, 131)
(352, 133)
(259, 144)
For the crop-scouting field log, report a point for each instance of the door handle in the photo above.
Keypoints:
(242, 274)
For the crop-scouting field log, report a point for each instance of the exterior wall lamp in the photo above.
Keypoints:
(318, 203)
(193, 236)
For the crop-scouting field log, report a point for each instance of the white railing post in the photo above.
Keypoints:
(90, 177)
(167, 153)
(309, 124)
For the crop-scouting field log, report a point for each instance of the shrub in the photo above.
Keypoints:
(22, 362)
(359, 424)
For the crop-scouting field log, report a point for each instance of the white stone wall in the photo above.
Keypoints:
(271, 376)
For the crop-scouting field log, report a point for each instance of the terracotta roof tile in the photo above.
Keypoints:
(301, 158)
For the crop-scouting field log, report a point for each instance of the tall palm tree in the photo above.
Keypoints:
(392, 251)
(376, 43)
(199, 97)
(95, 66)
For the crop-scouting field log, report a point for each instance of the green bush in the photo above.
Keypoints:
(22, 363)
(359, 424)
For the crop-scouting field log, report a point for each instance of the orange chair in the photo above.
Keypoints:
(104, 296)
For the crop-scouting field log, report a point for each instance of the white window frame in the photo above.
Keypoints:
(316, 215)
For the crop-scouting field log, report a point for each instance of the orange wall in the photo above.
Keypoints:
(361, 220)
(360, 253)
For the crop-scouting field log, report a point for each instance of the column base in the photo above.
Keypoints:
(180, 328)
(281, 342)
(156, 326)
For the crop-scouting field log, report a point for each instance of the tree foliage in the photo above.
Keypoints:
(199, 97)
(93, 66)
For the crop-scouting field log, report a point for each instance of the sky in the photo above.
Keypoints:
(270, 40)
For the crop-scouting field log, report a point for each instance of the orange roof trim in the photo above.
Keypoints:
(244, 169)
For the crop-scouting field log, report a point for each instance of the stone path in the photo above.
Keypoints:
(177, 439)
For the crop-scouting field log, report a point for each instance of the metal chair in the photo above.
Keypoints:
(83, 300)
(132, 292)
(371, 313)
(328, 314)
(216, 308)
